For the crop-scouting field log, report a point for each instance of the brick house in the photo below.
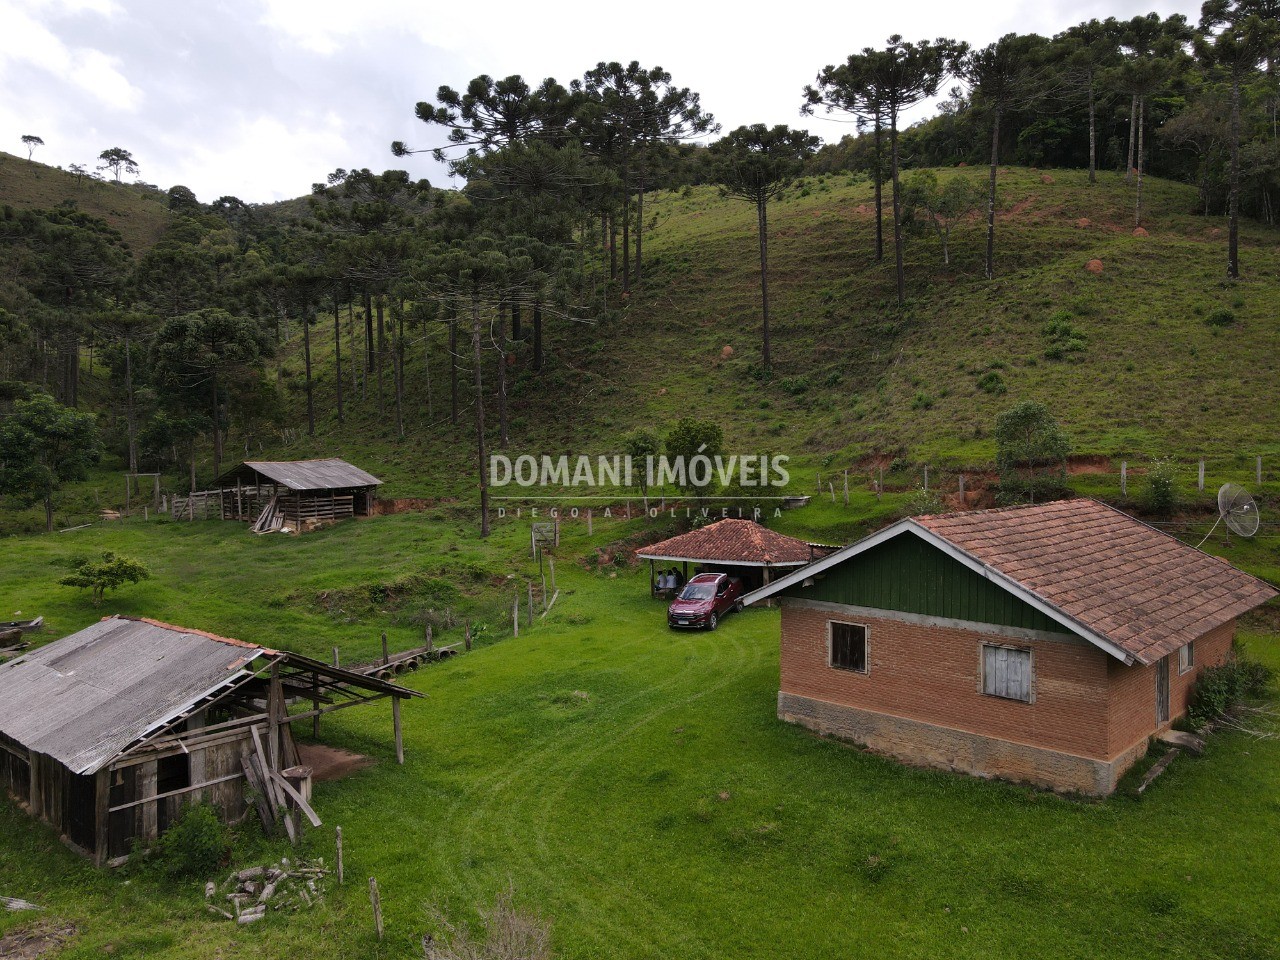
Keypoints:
(1044, 644)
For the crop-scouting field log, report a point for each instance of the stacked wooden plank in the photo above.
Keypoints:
(270, 520)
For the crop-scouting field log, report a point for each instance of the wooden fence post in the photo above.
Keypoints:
(831, 486)
(530, 601)
(1200, 481)
(880, 482)
(1124, 478)
(339, 855)
(377, 906)
(431, 645)
(846, 488)
(398, 730)
(926, 478)
(335, 657)
(466, 635)
(1258, 471)
(962, 491)
(515, 616)
(386, 657)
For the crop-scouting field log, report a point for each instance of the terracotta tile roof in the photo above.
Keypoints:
(1143, 590)
(732, 541)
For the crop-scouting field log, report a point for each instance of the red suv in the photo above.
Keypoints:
(704, 600)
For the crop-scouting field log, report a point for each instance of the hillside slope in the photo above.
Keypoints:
(1129, 359)
(140, 214)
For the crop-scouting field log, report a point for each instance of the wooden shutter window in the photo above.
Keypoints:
(1006, 672)
(1186, 657)
(848, 646)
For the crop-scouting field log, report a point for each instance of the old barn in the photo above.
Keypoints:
(107, 733)
(741, 548)
(295, 493)
(1044, 644)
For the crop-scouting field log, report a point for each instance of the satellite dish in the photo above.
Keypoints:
(1237, 510)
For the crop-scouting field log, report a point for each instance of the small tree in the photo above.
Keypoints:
(183, 200)
(640, 445)
(690, 438)
(42, 444)
(118, 160)
(1031, 453)
(31, 141)
(942, 207)
(110, 573)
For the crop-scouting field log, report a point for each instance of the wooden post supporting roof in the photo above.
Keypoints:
(101, 815)
(274, 702)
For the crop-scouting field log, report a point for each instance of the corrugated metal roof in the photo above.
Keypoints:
(85, 698)
(332, 474)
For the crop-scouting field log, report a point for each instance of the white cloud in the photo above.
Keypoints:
(262, 97)
(34, 45)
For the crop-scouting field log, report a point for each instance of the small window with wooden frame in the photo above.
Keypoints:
(1008, 672)
(1187, 657)
(847, 647)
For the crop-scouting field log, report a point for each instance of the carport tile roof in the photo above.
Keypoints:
(732, 541)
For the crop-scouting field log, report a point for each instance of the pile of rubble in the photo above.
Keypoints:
(285, 886)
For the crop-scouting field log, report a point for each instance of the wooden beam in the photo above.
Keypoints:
(395, 722)
(274, 697)
(101, 814)
(176, 793)
(147, 777)
(297, 798)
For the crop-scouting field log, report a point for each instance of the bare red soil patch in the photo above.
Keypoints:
(329, 763)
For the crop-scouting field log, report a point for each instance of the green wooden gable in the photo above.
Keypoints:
(907, 574)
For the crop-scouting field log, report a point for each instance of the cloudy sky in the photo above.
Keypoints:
(261, 98)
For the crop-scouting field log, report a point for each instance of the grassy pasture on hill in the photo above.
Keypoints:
(140, 214)
(1128, 359)
(633, 784)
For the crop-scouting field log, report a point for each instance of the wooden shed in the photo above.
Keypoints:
(107, 733)
(273, 494)
(742, 548)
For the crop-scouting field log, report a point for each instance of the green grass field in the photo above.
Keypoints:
(635, 786)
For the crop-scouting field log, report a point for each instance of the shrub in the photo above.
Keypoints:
(794, 385)
(1222, 317)
(1160, 496)
(992, 382)
(109, 573)
(510, 933)
(922, 401)
(1219, 689)
(924, 502)
(195, 845)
